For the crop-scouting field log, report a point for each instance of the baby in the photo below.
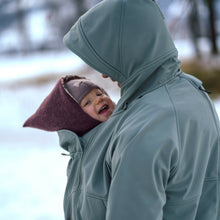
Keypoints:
(92, 99)
(75, 104)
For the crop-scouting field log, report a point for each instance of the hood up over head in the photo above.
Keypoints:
(128, 41)
(59, 110)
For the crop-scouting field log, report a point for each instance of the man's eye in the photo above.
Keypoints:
(99, 94)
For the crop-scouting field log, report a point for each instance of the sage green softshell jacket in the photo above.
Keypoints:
(157, 156)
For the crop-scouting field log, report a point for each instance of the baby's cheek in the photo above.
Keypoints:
(91, 111)
(86, 110)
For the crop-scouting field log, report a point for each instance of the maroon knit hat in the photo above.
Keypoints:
(60, 111)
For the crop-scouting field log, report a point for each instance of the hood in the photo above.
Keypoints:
(128, 41)
(60, 111)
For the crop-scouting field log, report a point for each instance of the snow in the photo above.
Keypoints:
(32, 181)
(37, 26)
(15, 67)
(9, 38)
(32, 169)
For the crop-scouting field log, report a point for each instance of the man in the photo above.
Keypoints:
(157, 156)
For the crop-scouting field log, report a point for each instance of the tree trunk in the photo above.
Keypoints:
(194, 26)
(212, 26)
(22, 29)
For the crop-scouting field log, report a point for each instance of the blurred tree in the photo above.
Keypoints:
(194, 25)
(70, 12)
(24, 39)
(213, 32)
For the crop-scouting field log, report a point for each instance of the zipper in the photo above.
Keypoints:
(83, 153)
(77, 192)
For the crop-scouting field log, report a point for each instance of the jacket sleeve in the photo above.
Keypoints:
(141, 164)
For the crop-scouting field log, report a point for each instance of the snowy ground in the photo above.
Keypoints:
(32, 169)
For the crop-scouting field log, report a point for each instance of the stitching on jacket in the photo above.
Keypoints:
(214, 119)
(182, 203)
(96, 197)
(121, 36)
(147, 66)
(209, 179)
(94, 51)
(162, 58)
(158, 8)
(177, 125)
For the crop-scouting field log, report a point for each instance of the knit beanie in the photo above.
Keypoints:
(60, 109)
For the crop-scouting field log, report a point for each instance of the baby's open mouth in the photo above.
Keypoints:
(104, 109)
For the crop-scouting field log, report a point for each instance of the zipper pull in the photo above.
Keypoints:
(125, 106)
(63, 154)
(200, 88)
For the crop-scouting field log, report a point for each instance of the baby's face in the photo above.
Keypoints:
(98, 105)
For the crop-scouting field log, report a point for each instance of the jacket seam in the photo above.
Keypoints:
(177, 126)
(104, 62)
(160, 85)
(162, 58)
(150, 66)
(158, 8)
(214, 119)
(182, 203)
(96, 197)
(202, 94)
(210, 179)
(121, 35)
(81, 161)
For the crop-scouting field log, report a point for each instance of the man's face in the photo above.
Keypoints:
(98, 105)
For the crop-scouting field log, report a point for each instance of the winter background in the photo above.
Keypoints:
(32, 169)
